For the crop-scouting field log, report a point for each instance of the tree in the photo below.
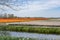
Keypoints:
(10, 15)
(5, 15)
(1, 16)
(8, 3)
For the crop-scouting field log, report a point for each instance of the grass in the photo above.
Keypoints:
(31, 29)
(15, 38)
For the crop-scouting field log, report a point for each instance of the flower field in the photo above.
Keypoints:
(3, 20)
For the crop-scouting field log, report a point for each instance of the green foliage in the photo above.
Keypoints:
(15, 38)
(31, 29)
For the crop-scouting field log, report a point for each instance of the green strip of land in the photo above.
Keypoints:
(42, 30)
(15, 38)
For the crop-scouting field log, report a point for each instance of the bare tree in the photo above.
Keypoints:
(5, 15)
(1, 16)
(10, 15)
(8, 3)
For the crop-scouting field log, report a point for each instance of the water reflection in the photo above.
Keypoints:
(30, 35)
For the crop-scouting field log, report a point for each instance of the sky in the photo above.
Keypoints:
(33, 8)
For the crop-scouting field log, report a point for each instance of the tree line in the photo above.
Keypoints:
(5, 15)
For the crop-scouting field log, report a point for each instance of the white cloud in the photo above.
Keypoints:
(46, 5)
(39, 5)
(31, 7)
(52, 4)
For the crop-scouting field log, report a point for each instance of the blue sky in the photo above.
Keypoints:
(35, 8)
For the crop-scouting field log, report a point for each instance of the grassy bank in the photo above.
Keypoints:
(31, 29)
(15, 38)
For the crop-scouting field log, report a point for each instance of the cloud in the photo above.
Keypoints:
(36, 4)
(40, 5)
(30, 7)
(33, 5)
